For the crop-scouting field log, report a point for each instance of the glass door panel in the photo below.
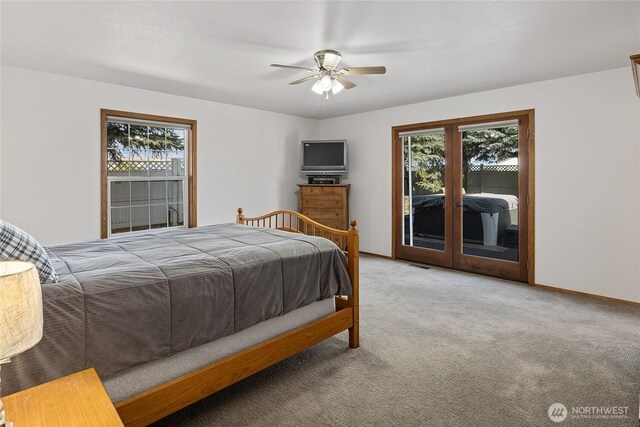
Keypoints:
(461, 194)
(424, 191)
(490, 191)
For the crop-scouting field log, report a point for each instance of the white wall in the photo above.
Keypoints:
(50, 133)
(587, 174)
(587, 164)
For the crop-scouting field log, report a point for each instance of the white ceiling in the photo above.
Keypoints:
(221, 51)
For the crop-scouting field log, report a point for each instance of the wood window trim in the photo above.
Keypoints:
(192, 166)
(396, 198)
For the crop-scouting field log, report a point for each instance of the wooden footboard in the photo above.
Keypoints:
(160, 401)
(297, 223)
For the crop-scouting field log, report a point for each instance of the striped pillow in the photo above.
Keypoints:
(18, 245)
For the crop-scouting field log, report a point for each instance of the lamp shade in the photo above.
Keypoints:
(20, 308)
(317, 88)
(325, 83)
(336, 87)
(331, 60)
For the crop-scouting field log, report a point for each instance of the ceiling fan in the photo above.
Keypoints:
(329, 78)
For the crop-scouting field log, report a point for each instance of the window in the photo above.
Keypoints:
(148, 172)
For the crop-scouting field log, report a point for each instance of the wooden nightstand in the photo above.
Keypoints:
(75, 400)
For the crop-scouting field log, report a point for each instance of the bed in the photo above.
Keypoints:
(170, 317)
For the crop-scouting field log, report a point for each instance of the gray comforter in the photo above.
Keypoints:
(126, 301)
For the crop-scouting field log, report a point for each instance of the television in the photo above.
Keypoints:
(324, 156)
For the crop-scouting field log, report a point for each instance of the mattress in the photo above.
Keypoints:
(130, 300)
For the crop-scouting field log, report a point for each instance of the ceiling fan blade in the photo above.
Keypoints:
(305, 79)
(294, 67)
(363, 70)
(346, 83)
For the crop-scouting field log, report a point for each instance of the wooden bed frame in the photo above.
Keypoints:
(164, 399)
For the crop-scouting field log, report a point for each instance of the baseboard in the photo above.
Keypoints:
(588, 295)
(537, 285)
(376, 255)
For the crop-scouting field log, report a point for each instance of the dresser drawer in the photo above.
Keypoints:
(322, 197)
(341, 241)
(321, 201)
(334, 223)
(320, 214)
(324, 190)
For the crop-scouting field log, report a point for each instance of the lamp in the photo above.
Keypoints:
(317, 88)
(635, 65)
(20, 312)
(331, 60)
(325, 83)
(327, 59)
(336, 87)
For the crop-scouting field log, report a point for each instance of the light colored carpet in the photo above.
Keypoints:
(445, 348)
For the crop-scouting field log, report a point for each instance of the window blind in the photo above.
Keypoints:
(486, 126)
(422, 132)
(130, 121)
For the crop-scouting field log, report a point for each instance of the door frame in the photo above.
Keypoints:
(528, 274)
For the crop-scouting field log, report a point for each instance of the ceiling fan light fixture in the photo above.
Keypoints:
(331, 60)
(325, 83)
(336, 87)
(330, 79)
(327, 59)
(317, 87)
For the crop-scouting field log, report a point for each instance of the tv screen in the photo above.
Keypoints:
(324, 156)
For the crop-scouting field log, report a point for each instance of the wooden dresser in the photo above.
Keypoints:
(326, 203)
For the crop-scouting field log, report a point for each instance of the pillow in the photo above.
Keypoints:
(18, 245)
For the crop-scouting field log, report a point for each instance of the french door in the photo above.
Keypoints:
(463, 194)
